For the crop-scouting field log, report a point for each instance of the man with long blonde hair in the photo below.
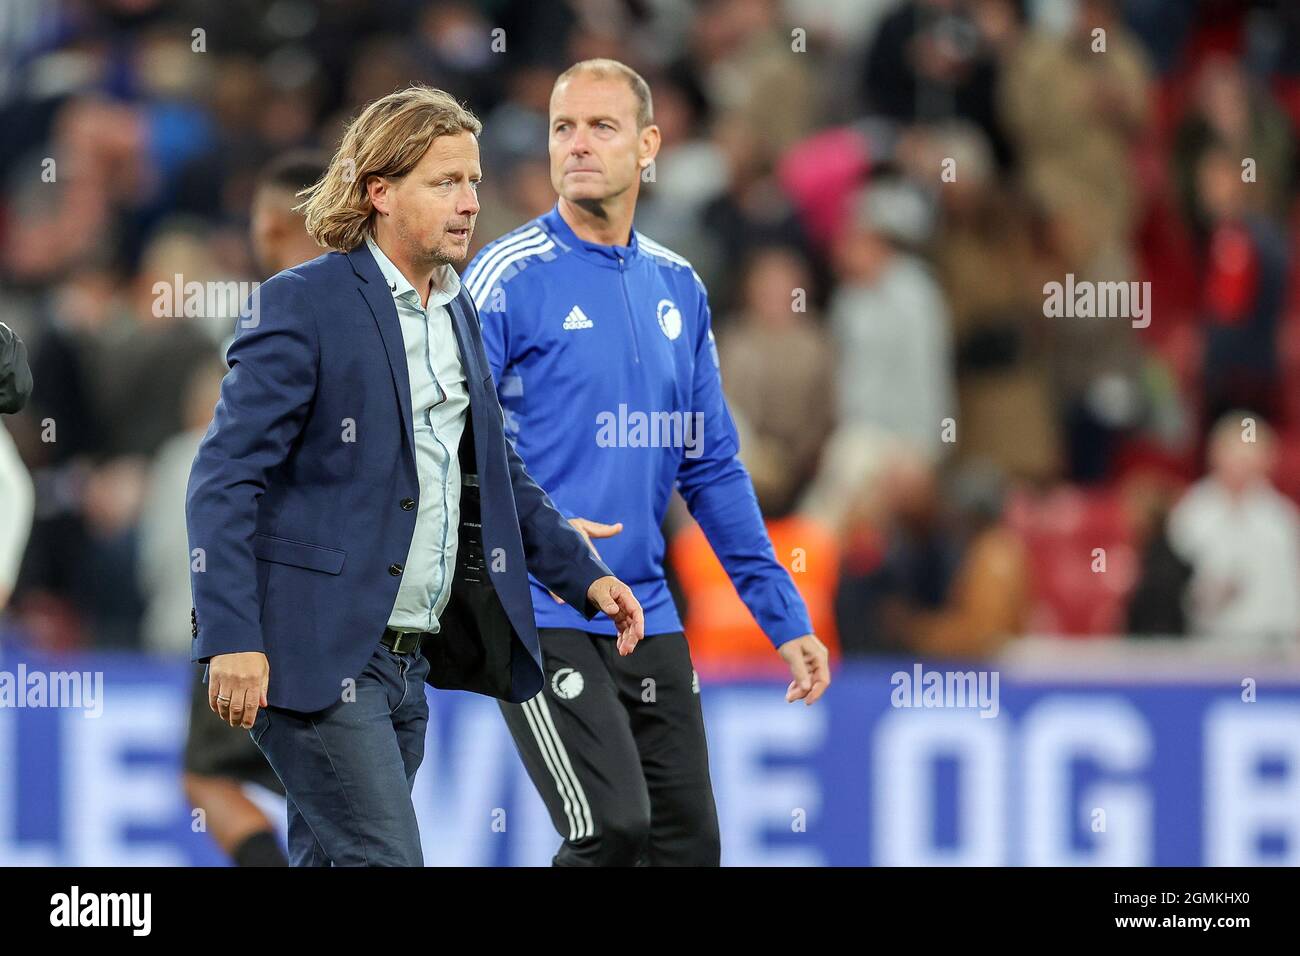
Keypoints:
(358, 523)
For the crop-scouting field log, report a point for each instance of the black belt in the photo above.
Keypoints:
(402, 642)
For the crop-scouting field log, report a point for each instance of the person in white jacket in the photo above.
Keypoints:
(17, 496)
(1242, 538)
(17, 502)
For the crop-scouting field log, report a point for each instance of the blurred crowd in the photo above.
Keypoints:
(875, 192)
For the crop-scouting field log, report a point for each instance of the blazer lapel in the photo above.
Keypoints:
(379, 297)
(465, 334)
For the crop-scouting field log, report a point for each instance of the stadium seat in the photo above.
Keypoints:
(1072, 594)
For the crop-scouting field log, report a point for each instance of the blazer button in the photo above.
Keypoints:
(394, 569)
(408, 504)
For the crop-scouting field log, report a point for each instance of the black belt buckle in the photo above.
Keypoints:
(401, 642)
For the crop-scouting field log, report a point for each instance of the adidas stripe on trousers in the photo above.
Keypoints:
(616, 748)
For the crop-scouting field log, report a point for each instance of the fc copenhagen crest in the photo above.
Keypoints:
(670, 320)
(567, 683)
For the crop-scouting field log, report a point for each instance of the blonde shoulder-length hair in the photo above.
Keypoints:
(387, 139)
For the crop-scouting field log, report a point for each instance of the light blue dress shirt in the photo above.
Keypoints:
(439, 401)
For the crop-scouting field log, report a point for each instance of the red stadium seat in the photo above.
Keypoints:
(1072, 594)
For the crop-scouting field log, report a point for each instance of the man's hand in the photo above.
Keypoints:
(589, 530)
(237, 686)
(809, 665)
(616, 599)
(594, 529)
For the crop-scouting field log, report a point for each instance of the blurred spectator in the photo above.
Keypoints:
(516, 129)
(148, 355)
(690, 170)
(76, 314)
(1233, 112)
(454, 40)
(985, 256)
(1155, 606)
(724, 635)
(915, 579)
(112, 498)
(749, 70)
(134, 160)
(852, 459)
(1095, 361)
(1162, 25)
(58, 435)
(1242, 539)
(823, 174)
(896, 551)
(752, 212)
(891, 324)
(936, 60)
(777, 367)
(164, 551)
(988, 600)
(1243, 292)
(279, 239)
(1074, 111)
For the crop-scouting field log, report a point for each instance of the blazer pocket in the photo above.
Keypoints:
(268, 547)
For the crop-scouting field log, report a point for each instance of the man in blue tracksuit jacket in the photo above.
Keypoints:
(588, 323)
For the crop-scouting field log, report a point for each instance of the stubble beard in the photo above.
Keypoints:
(442, 254)
(445, 254)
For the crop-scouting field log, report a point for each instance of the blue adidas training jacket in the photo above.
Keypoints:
(607, 371)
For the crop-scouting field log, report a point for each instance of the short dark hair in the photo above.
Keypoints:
(603, 68)
(293, 171)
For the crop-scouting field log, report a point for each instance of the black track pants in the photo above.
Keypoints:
(616, 748)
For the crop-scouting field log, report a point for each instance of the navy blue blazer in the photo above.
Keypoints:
(303, 494)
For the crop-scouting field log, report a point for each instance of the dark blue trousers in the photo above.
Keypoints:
(348, 770)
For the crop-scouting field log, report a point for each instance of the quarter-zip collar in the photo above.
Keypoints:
(611, 257)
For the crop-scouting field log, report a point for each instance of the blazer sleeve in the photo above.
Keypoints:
(557, 555)
(274, 367)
